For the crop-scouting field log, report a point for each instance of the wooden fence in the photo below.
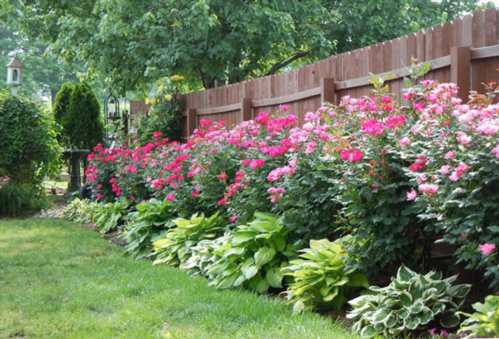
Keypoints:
(465, 51)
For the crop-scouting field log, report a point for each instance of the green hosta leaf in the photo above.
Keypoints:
(404, 274)
(331, 294)
(242, 237)
(274, 277)
(449, 320)
(358, 280)
(416, 307)
(426, 315)
(459, 291)
(406, 298)
(412, 322)
(249, 269)
(264, 255)
(261, 285)
(368, 331)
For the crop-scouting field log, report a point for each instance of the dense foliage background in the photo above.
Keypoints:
(128, 44)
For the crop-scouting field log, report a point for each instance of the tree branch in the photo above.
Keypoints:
(287, 61)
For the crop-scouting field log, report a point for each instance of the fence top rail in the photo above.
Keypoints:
(438, 63)
(219, 109)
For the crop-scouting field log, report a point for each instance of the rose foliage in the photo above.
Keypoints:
(398, 177)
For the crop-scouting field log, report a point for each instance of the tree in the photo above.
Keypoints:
(131, 43)
(82, 124)
(61, 108)
(362, 23)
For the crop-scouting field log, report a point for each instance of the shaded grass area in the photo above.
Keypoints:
(59, 280)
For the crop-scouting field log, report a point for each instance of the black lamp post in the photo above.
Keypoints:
(115, 109)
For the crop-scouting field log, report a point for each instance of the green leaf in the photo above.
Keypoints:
(264, 255)
(358, 280)
(274, 277)
(249, 270)
(449, 320)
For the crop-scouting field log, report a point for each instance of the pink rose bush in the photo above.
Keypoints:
(394, 175)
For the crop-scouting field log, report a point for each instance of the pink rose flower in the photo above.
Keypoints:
(262, 118)
(395, 121)
(428, 189)
(373, 127)
(171, 196)
(487, 248)
(352, 155)
(284, 108)
(411, 195)
(495, 151)
(276, 194)
(405, 141)
(463, 138)
(419, 164)
(459, 172)
(444, 170)
(450, 155)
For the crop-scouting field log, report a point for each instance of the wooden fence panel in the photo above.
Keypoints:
(305, 89)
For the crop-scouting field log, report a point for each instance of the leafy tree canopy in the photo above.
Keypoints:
(131, 43)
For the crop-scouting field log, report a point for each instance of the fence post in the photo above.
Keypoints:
(460, 70)
(327, 91)
(191, 121)
(246, 113)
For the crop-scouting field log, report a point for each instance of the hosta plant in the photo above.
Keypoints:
(253, 256)
(176, 245)
(145, 225)
(485, 321)
(80, 210)
(411, 302)
(108, 216)
(320, 278)
(202, 256)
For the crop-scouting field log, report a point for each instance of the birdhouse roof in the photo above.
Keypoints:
(15, 63)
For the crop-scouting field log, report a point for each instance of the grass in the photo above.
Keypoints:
(59, 280)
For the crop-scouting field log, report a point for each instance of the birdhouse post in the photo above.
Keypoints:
(14, 74)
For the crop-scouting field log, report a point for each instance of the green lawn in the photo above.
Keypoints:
(59, 280)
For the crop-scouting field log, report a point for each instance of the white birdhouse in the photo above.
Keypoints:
(14, 72)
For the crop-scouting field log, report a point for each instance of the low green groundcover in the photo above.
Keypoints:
(58, 280)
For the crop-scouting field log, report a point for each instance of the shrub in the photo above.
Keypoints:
(29, 152)
(108, 217)
(456, 182)
(320, 278)
(253, 256)
(176, 245)
(27, 140)
(18, 199)
(77, 110)
(485, 321)
(61, 109)
(146, 225)
(410, 302)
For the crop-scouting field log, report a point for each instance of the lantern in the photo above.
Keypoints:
(14, 74)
